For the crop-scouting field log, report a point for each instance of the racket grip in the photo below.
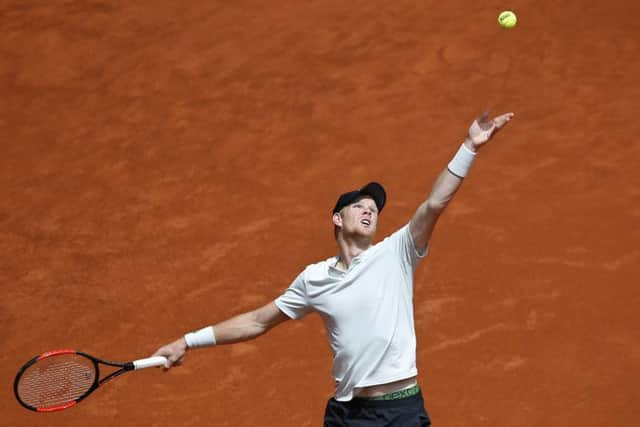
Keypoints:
(149, 362)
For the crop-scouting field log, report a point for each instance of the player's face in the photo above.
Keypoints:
(360, 217)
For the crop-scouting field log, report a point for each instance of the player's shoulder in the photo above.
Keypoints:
(397, 234)
(319, 268)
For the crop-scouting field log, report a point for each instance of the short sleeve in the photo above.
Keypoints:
(403, 244)
(293, 302)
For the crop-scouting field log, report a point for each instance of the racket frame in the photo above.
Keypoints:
(97, 382)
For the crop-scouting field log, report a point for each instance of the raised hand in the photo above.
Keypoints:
(483, 128)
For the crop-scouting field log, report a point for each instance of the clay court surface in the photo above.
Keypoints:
(166, 165)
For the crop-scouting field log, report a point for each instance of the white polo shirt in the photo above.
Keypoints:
(367, 312)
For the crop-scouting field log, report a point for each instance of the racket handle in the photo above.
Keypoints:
(149, 362)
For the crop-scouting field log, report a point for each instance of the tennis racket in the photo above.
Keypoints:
(59, 379)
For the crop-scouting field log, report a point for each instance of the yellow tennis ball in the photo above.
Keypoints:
(507, 19)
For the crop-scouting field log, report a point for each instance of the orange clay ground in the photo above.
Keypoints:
(166, 165)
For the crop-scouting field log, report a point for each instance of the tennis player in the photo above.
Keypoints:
(365, 298)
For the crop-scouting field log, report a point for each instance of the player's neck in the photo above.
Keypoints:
(351, 248)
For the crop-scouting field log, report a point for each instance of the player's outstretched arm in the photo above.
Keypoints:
(424, 220)
(243, 327)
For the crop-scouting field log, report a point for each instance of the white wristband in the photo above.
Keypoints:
(461, 162)
(205, 337)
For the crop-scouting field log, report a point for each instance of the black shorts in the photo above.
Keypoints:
(407, 412)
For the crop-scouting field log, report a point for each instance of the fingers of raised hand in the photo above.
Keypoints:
(483, 122)
(482, 129)
(502, 120)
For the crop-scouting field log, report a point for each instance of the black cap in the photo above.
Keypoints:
(372, 189)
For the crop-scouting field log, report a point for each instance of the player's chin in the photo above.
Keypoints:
(368, 231)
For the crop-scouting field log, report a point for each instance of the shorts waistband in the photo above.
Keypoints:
(396, 395)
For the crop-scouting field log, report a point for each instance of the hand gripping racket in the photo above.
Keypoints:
(59, 379)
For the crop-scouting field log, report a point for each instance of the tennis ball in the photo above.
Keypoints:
(507, 19)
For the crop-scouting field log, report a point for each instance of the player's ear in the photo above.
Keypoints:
(337, 219)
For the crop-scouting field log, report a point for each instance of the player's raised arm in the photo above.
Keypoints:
(424, 220)
(243, 327)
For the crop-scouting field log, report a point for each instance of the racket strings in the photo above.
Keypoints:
(56, 380)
